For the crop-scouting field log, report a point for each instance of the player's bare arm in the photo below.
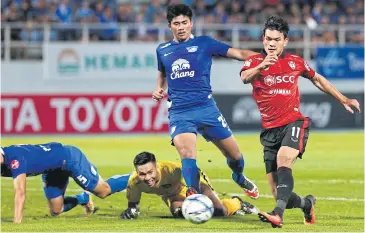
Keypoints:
(19, 200)
(239, 54)
(161, 86)
(249, 75)
(324, 85)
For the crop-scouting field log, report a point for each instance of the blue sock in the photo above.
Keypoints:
(82, 198)
(237, 167)
(69, 202)
(190, 172)
(118, 183)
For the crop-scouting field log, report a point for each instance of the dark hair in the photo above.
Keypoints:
(277, 23)
(143, 158)
(178, 9)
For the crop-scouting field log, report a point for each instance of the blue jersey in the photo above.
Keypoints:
(34, 159)
(187, 68)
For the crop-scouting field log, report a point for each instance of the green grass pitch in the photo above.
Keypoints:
(332, 169)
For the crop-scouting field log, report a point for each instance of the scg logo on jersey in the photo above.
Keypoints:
(271, 80)
(181, 69)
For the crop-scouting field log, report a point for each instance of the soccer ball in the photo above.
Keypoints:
(197, 208)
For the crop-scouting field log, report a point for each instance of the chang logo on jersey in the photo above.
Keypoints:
(181, 69)
(272, 80)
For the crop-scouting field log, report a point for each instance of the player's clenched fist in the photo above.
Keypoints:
(158, 94)
(269, 60)
(130, 213)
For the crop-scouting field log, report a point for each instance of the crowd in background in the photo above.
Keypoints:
(113, 12)
(146, 15)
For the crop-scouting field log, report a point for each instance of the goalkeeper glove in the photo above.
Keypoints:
(130, 213)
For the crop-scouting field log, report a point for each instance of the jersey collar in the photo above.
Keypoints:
(263, 52)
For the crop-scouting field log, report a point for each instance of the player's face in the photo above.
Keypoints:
(181, 28)
(148, 173)
(274, 42)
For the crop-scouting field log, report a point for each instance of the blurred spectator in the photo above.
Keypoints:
(85, 12)
(64, 12)
(111, 13)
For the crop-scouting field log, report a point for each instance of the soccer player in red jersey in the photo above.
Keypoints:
(274, 76)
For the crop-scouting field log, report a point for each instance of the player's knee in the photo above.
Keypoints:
(55, 212)
(186, 152)
(284, 161)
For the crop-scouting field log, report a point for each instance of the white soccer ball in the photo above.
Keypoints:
(197, 208)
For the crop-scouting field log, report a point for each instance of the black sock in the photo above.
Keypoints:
(218, 212)
(69, 203)
(295, 201)
(284, 189)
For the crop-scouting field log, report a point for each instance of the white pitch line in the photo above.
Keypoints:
(333, 181)
(229, 194)
(318, 198)
(338, 181)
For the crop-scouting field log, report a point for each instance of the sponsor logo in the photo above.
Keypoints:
(68, 62)
(192, 49)
(173, 128)
(166, 45)
(271, 80)
(181, 69)
(166, 54)
(307, 66)
(14, 164)
(247, 63)
(280, 92)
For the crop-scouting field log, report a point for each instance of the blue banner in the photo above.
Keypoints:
(341, 62)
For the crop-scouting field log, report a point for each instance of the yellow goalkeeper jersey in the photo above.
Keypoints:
(171, 182)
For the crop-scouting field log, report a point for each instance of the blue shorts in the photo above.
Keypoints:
(55, 183)
(78, 167)
(204, 119)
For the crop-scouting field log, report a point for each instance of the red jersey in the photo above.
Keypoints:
(276, 89)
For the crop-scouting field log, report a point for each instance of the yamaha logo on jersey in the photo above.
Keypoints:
(269, 80)
(14, 164)
(292, 65)
(181, 69)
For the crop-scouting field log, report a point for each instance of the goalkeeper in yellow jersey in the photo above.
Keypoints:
(165, 179)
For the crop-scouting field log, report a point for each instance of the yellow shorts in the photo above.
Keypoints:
(182, 194)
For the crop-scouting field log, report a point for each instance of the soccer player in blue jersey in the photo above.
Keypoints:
(184, 66)
(56, 163)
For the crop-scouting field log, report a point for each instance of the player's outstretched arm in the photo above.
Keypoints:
(324, 85)
(240, 54)
(20, 194)
(134, 197)
(249, 75)
(161, 87)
